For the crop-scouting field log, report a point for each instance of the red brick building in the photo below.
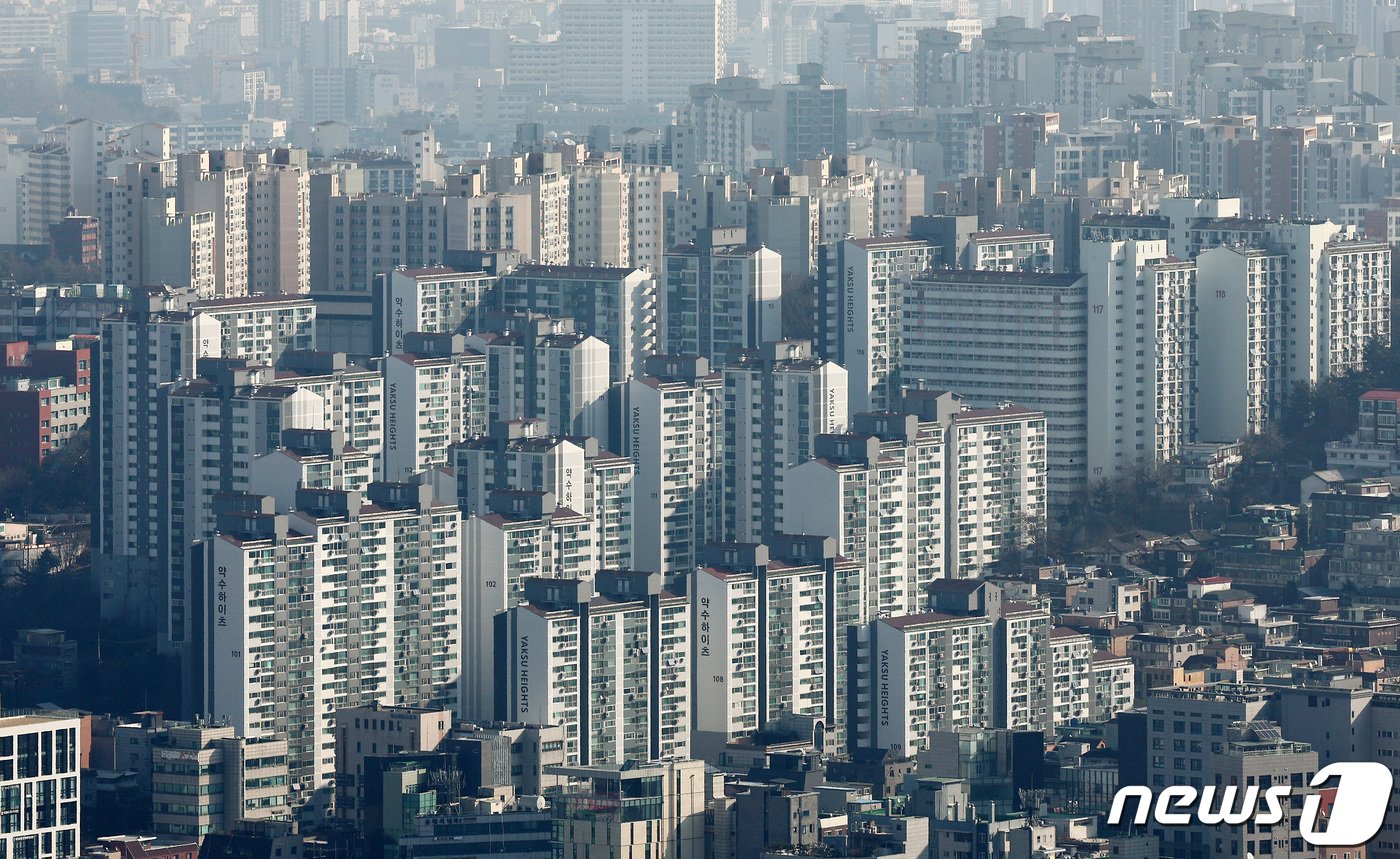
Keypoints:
(45, 398)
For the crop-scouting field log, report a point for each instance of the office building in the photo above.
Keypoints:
(636, 807)
(205, 778)
(40, 761)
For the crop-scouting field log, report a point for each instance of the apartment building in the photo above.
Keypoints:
(231, 399)
(46, 395)
(779, 400)
(436, 394)
(437, 300)
(1241, 289)
(919, 673)
(721, 294)
(593, 72)
(1010, 250)
(607, 659)
(672, 428)
(1017, 337)
(311, 459)
(617, 305)
(158, 341)
(379, 576)
(578, 471)
(1142, 354)
(544, 368)
(600, 215)
(521, 534)
(995, 483)
(217, 182)
(880, 491)
(767, 628)
(859, 310)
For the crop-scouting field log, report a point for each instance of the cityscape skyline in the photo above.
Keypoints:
(696, 429)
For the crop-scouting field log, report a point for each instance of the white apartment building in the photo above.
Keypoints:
(310, 459)
(435, 300)
(672, 429)
(1113, 681)
(233, 402)
(157, 342)
(435, 395)
(921, 672)
(653, 189)
(995, 485)
(779, 399)
(1142, 354)
(217, 182)
(879, 490)
(619, 306)
(369, 234)
(998, 337)
(279, 224)
(122, 208)
(40, 762)
(521, 534)
(666, 48)
(859, 312)
(1242, 340)
(45, 191)
(353, 396)
(600, 215)
(768, 631)
(1071, 669)
(1024, 687)
(543, 368)
(378, 577)
(721, 294)
(581, 475)
(607, 659)
(1010, 250)
(179, 248)
(485, 222)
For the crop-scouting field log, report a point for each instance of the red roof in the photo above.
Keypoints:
(1382, 394)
